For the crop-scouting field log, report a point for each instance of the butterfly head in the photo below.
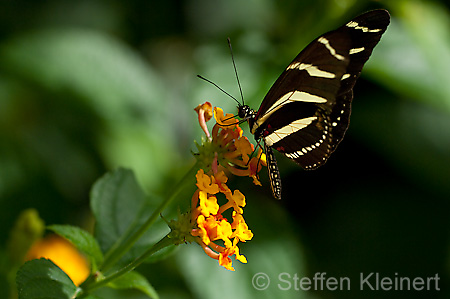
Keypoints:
(245, 112)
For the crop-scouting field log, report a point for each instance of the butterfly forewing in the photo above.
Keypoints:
(306, 112)
(312, 73)
(365, 32)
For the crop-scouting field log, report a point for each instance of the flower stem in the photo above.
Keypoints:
(164, 242)
(113, 256)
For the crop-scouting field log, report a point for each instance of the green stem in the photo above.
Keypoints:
(115, 255)
(164, 242)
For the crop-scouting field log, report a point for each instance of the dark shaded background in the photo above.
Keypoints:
(88, 86)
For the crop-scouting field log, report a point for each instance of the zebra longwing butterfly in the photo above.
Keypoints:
(306, 112)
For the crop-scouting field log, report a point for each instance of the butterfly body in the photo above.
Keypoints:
(306, 112)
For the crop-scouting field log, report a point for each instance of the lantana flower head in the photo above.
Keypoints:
(225, 150)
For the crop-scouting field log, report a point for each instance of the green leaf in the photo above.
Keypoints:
(43, 279)
(81, 239)
(88, 62)
(134, 280)
(120, 208)
(109, 78)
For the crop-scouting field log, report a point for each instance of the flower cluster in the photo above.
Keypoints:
(226, 147)
(225, 150)
(212, 225)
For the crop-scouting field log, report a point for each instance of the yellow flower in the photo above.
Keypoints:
(222, 120)
(205, 183)
(63, 254)
(241, 230)
(208, 205)
(236, 200)
(224, 232)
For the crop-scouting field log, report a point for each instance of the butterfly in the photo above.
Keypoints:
(306, 112)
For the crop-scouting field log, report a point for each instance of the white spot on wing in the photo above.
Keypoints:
(311, 69)
(356, 50)
(326, 42)
(294, 155)
(353, 24)
(345, 76)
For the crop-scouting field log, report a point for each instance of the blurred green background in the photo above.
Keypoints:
(87, 86)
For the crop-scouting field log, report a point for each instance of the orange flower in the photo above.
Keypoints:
(224, 256)
(63, 254)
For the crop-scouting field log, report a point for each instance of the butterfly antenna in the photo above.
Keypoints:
(235, 70)
(209, 81)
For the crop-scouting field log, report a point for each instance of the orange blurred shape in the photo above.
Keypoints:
(63, 254)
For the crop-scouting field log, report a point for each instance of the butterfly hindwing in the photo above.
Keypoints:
(311, 146)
